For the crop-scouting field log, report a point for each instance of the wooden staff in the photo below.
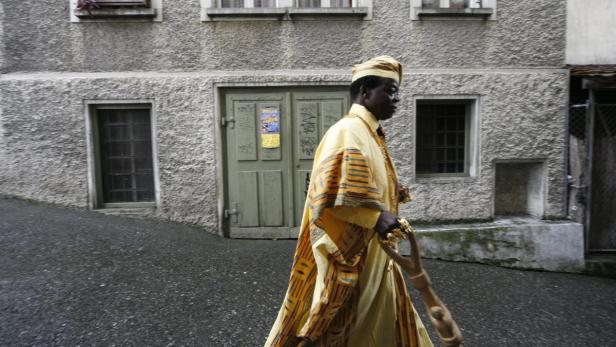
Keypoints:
(447, 329)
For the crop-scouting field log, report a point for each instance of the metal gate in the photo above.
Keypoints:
(592, 169)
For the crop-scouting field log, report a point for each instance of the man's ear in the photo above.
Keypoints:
(364, 91)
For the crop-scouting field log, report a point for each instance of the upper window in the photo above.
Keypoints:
(244, 3)
(279, 3)
(320, 3)
(285, 9)
(453, 9)
(114, 10)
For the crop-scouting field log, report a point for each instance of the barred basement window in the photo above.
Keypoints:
(125, 155)
(443, 137)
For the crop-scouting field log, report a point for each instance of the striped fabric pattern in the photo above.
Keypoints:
(344, 179)
(331, 320)
(342, 176)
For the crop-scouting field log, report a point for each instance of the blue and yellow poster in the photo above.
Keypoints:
(270, 127)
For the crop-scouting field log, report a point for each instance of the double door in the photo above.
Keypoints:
(270, 138)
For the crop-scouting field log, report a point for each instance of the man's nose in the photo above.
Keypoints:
(396, 98)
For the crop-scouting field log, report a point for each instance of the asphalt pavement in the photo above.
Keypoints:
(79, 278)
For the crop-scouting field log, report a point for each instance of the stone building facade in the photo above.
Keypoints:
(187, 63)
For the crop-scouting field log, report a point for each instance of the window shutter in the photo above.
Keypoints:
(142, 3)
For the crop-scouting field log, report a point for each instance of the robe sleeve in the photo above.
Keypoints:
(344, 200)
(344, 206)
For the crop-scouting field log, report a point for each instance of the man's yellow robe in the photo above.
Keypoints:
(344, 290)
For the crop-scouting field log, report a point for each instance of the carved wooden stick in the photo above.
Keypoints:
(447, 329)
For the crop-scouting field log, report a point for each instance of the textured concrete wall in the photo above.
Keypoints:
(518, 243)
(522, 116)
(40, 37)
(590, 32)
(45, 138)
(44, 133)
(50, 66)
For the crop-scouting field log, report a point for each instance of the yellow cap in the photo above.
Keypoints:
(383, 66)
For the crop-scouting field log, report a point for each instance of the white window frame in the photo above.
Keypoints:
(156, 5)
(94, 183)
(473, 136)
(416, 8)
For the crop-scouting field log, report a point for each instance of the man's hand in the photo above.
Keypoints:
(386, 222)
(404, 195)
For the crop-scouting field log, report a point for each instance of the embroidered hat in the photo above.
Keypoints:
(383, 66)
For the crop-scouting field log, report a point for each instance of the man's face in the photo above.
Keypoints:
(382, 100)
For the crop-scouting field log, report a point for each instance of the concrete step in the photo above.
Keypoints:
(526, 243)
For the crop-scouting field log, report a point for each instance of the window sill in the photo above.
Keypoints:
(443, 179)
(129, 205)
(319, 13)
(130, 13)
(222, 14)
(453, 13)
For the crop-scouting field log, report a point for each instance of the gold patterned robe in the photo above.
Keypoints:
(343, 289)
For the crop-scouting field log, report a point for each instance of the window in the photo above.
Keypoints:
(122, 166)
(137, 3)
(308, 3)
(125, 145)
(118, 10)
(285, 9)
(341, 3)
(443, 137)
(453, 9)
(231, 3)
(291, 3)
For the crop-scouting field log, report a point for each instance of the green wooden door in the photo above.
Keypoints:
(270, 139)
(313, 114)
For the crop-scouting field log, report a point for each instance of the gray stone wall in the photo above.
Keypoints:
(522, 116)
(44, 134)
(51, 66)
(40, 37)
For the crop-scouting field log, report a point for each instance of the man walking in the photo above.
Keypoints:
(344, 290)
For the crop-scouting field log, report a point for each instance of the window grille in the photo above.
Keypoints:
(264, 3)
(454, 3)
(442, 131)
(308, 3)
(341, 3)
(232, 3)
(126, 155)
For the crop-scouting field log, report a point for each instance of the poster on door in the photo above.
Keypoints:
(270, 127)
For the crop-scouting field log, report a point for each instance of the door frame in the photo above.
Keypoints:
(219, 91)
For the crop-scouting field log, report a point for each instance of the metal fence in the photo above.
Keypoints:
(578, 161)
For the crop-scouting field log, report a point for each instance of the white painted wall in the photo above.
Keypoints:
(591, 32)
